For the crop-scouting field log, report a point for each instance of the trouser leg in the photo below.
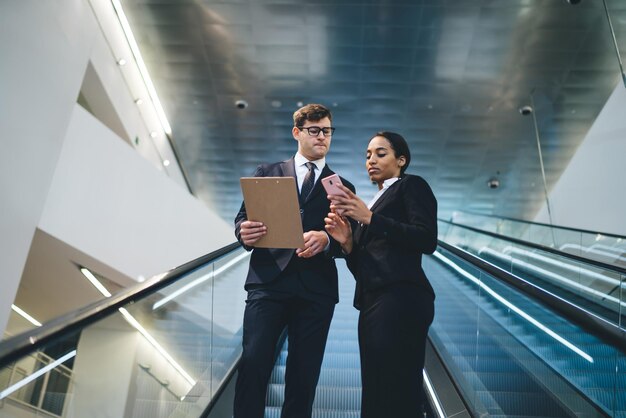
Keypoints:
(307, 331)
(263, 322)
(392, 337)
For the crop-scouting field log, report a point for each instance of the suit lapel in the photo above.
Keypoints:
(361, 230)
(288, 168)
(385, 196)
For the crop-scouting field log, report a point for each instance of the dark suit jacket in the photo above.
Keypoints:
(318, 274)
(390, 248)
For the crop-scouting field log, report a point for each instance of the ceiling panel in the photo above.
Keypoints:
(450, 75)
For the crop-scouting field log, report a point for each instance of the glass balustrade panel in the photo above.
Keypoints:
(164, 355)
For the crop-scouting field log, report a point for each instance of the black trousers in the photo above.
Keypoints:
(393, 325)
(307, 329)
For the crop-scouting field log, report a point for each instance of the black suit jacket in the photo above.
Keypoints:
(390, 248)
(318, 273)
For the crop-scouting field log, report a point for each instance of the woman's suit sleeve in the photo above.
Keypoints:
(419, 233)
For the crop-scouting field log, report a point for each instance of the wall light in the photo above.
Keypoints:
(143, 70)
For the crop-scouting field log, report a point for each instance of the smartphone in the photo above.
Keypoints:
(330, 185)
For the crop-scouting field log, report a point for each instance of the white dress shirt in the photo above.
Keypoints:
(386, 184)
(301, 169)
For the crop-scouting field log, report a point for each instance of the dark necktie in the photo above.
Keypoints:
(309, 180)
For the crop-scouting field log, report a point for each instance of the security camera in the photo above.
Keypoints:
(241, 104)
(526, 110)
(493, 183)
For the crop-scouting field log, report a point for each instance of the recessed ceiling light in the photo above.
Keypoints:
(138, 101)
(166, 163)
(276, 103)
(153, 134)
(299, 104)
(430, 106)
(121, 62)
(526, 110)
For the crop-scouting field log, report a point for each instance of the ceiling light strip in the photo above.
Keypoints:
(25, 315)
(200, 280)
(143, 70)
(89, 275)
(132, 321)
(514, 308)
(37, 374)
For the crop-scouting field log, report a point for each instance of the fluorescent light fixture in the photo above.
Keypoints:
(143, 70)
(132, 321)
(25, 315)
(89, 275)
(557, 277)
(514, 308)
(200, 280)
(433, 395)
(37, 374)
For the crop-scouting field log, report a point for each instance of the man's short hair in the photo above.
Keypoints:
(311, 112)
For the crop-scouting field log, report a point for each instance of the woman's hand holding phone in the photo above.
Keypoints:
(331, 185)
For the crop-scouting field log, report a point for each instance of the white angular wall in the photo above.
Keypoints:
(66, 173)
(590, 193)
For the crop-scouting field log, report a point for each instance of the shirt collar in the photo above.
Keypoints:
(387, 183)
(301, 160)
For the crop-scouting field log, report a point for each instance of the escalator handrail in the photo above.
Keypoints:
(560, 253)
(16, 347)
(594, 324)
(565, 228)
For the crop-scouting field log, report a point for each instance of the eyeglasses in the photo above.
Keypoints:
(315, 130)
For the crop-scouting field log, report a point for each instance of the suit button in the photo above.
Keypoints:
(301, 210)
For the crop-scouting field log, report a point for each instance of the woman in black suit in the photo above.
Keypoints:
(393, 295)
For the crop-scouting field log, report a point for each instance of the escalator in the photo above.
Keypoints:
(603, 247)
(170, 348)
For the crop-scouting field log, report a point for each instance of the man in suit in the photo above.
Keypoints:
(296, 289)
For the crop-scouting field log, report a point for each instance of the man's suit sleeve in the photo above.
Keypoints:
(242, 215)
(419, 233)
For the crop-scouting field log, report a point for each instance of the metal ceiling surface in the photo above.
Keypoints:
(450, 75)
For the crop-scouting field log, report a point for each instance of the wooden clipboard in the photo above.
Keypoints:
(274, 201)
